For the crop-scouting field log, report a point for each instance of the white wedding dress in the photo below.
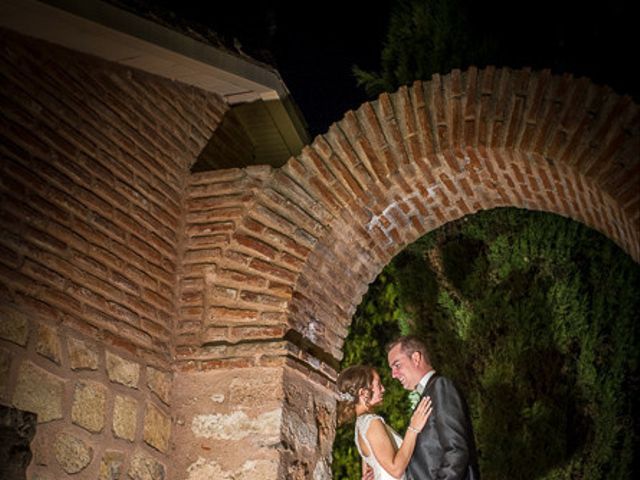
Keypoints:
(362, 425)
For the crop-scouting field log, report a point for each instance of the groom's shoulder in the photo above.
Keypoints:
(440, 382)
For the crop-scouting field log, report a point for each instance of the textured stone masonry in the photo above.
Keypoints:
(169, 324)
(125, 414)
(89, 406)
(82, 356)
(157, 428)
(39, 391)
(309, 237)
(72, 453)
(122, 371)
(84, 426)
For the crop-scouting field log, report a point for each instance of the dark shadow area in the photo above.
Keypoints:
(534, 316)
(17, 429)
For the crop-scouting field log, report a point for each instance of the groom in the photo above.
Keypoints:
(445, 448)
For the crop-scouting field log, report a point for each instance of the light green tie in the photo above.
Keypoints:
(414, 398)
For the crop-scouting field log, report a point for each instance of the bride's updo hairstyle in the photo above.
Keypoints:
(349, 383)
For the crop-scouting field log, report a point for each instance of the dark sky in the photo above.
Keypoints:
(314, 44)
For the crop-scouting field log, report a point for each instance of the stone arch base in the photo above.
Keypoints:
(276, 261)
(253, 423)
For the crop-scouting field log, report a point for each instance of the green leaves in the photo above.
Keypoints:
(424, 37)
(535, 318)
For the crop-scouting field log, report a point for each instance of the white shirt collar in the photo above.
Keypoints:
(423, 382)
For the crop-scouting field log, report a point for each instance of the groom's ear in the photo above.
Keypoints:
(415, 358)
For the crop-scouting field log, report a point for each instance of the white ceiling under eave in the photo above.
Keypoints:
(105, 31)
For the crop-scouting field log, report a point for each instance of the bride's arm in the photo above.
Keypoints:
(395, 462)
(367, 472)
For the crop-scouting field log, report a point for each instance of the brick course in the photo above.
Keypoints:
(94, 161)
(95, 157)
(120, 268)
(328, 221)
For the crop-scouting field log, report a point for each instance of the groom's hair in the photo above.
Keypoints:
(408, 345)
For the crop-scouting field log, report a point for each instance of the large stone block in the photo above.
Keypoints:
(262, 388)
(82, 356)
(111, 466)
(264, 428)
(160, 383)
(14, 326)
(89, 401)
(48, 343)
(157, 428)
(72, 453)
(39, 391)
(298, 431)
(250, 470)
(122, 371)
(227, 434)
(125, 417)
(144, 467)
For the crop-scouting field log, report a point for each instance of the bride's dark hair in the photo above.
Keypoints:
(349, 383)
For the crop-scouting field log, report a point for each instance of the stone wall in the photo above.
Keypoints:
(281, 258)
(93, 404)
(164, 324)
(94, 163)
(326, 223)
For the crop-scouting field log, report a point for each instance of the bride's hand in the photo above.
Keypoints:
(421, 414)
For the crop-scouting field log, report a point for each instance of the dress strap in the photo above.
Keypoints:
(362, 426)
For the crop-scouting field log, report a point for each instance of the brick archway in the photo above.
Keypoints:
(276, 260)
(490, 138)
(189, 325)
(306, 240)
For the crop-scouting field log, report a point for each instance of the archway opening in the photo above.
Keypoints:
(533, 316)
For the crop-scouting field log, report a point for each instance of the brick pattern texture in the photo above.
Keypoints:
(120, 267)
(94, 163)
(95, 160)
(298, 251)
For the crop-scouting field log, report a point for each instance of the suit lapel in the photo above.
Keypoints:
(429, 384)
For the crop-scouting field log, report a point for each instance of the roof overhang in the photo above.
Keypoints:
(103, 30)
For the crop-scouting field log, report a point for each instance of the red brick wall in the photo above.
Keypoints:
(94, 163)
(325, 224)
(114, 256)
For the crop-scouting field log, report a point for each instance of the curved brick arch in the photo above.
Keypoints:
(275, 261)
(309, 237)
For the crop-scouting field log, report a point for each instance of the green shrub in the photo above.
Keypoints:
(535, 317)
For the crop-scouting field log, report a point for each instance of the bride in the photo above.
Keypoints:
(380, 447)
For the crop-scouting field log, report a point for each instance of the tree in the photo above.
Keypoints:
(535, 317)
(424, 37)
(434, 36)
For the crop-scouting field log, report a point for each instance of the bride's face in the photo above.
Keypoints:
(377, 390)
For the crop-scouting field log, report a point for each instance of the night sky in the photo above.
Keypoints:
(314, 45)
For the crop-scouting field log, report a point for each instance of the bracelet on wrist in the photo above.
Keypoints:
(413, 429)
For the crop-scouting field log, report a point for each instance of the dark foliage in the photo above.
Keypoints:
(535, 317)
(434, 36)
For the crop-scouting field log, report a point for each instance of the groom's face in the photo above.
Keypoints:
(404, 368)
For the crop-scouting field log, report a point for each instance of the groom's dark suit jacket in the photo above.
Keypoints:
(445, 448)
